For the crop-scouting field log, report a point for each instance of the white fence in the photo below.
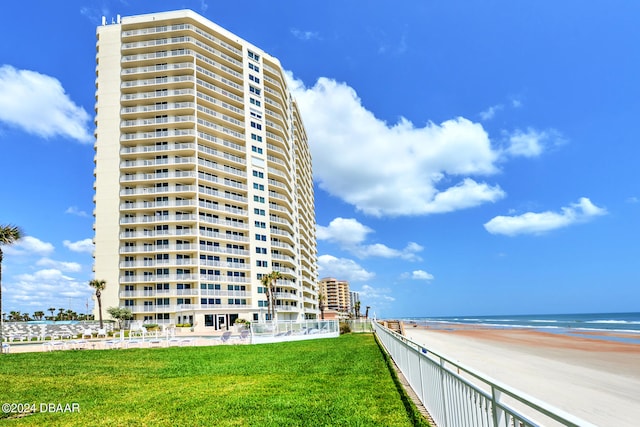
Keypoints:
(270, 332)
(456, 396)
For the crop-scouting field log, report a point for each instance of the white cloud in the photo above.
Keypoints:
(46, 288)
(29, 245)
(85, 245)
(396, 169)
(72, 267)
(305, 35)
(378, 299)
(539, 223)
(526, 144)
(418, 275)
(531, 143)
(38, 104)
(343, 269)
(490, 112)
(345, 231)
(350, 235)
(73, 210)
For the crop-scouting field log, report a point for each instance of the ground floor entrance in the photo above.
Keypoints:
(219, 321)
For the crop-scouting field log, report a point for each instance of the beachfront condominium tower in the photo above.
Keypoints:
(336, 295)
(203, 181)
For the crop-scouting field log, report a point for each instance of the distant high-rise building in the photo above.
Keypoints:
(354, 297)
(203, 179)
(336, 295)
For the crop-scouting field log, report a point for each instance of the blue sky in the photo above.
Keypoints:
(469, 157)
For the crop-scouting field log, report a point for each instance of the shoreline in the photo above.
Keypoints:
(585, 375)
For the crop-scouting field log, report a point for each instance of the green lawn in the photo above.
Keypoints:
(326, 382)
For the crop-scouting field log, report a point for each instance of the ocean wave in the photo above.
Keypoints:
(627, 322)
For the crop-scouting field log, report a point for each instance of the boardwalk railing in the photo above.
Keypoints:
(457, 396)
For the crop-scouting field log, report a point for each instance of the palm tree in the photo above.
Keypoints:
(321, 299)
(266, 280)
(52, 309)
(273, 276)
(9, 234)
(99, 286)
(38, 315)
(356, 307)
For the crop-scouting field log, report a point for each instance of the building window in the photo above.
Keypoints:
(258, 186)
(260, 224)
(259, 211)
(256, 137)
(254, 67)
(253, 55)
(258, 174)
(258, 199)
(255, 102)
(256, 125)
(262, 263)
(255, 90)
(256, 149)
(261, 251)
(254, 78)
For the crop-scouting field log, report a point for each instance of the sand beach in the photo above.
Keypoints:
(586, 374)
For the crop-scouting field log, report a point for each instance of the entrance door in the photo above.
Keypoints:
(222, 322)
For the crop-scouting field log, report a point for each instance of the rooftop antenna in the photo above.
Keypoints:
(104, 20)
(118, 18)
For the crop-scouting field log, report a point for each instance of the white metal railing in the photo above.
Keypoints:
(270, 332)
(459, 396)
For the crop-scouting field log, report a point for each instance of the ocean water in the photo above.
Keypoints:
(604, 322)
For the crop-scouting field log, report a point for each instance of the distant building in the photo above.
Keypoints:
(336, 297)
(354, 297)
(203, 179)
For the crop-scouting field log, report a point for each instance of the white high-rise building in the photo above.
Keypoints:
(203, 180)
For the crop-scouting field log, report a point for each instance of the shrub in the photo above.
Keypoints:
(344, 328)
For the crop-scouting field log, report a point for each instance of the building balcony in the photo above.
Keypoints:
(153, 148)
(157, 204)
(150, 191)
(224, 222)
(173, 293)
(173, 133)
(221, 154)
(151, 248)
(148, 219)
(173, 93)
(165, 82)
(148, 278)
(222, 168)
(157, 176)
(173, 262)
(162, 68)
(155, 108)
(219, 278)
(155, 122)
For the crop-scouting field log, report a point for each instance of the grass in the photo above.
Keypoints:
(326, 382)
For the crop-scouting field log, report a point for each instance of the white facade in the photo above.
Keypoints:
(203, 176)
